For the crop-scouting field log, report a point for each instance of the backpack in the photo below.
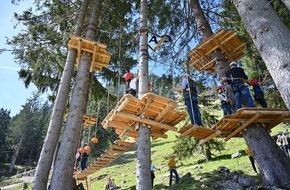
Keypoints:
(190, 85)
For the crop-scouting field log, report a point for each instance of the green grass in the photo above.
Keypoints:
(202, 173)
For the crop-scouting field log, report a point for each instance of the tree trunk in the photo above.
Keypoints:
(54, 128)
(275, 57)
(271, 38)
(143, 177)
(203, 27)
(64, 164)
(273, 164)
(207, 154)
(15, 155)
(287, 4)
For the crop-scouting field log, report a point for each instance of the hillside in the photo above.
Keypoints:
(202, 173)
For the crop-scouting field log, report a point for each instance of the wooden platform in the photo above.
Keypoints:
(156, 111)
(88, 120)
(100, 56)
(233, 125)
(118, 148)
(202, 57)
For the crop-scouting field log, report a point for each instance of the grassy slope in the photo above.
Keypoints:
(123, 169)
(203, 174)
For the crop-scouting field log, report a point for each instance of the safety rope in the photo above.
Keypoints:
(190, 97)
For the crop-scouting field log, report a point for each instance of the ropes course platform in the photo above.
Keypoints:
(118, 148)
(100, 56)
(233, 125)
(156, 111)
(88, 120)
(203, 56)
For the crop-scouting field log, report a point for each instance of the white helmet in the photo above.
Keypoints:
(233, 64)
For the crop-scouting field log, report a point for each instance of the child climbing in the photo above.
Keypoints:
(258, 91)
(132, 83)
(225, 102)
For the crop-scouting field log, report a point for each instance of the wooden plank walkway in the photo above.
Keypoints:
(117, 149)
(233, 125)
(202, 57)
(100, 56)
(156, 111)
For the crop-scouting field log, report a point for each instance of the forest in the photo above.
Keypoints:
(30, 138)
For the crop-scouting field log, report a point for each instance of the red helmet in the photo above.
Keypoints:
(253, 82)
(127, 76)
(220, 88)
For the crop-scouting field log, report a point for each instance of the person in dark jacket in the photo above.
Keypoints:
(237, 77)
(258, 91)
(190, 91)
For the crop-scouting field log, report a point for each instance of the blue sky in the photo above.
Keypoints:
(13, 93)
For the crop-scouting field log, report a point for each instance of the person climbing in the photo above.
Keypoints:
(237, 77)
(225, 102)
(249, 153)
(172, 169)
(85, 156)
(190, 92)
(132, 85)
(258, 91)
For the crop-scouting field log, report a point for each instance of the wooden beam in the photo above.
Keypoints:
(145, 120)
(168, 107)
(248, 122)
(106, 159)
(213, 135)
(124, 103)
(118, 147)
(115, 152)
(265, 111)
(188, 131)
(118, 124)
(124, 143)
(157, 135)
(277, 121)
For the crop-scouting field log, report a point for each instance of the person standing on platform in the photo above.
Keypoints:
(84, 160)
(258, 91)
(190, 92)
(225, 101)
(237, 77)
(132, 83)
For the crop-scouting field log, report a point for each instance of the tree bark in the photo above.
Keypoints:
(263, 31)
(143, 177)
(221, 64)
(62, 177)
(56, 121)
(271, 38)
(287, 4)
(272, 163)
(15, 155)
